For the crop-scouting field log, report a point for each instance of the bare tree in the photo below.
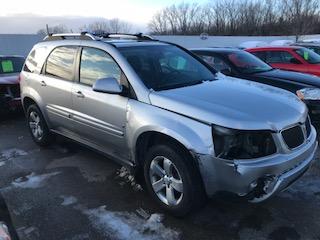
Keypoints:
(240, 17)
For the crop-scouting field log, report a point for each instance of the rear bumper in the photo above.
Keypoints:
(257, 179)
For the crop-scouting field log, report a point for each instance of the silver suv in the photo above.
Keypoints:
(186, 130)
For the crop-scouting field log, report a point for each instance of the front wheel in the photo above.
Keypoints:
(173, 180)
(38, 127)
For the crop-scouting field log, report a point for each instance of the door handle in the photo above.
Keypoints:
(79, 94)
(43, 83)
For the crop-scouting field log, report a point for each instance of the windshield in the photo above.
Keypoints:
(248, 63)
(11, 65)
(308, 55)
(165, 66)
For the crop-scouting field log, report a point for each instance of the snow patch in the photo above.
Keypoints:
(127, 226)
(68, 200)
(12, 153)
(2, 163)
(33, 180)
(126, 177)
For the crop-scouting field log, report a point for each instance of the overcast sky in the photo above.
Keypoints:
(17, 16)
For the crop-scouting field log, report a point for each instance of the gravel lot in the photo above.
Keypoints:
(66, 191)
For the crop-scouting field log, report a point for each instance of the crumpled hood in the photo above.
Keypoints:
(234, 103)
(292, 76)
(9, 79)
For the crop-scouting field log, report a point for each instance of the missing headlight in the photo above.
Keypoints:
(242, 144)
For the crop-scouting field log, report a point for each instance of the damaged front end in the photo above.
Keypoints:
(257, 164)
(9, 97)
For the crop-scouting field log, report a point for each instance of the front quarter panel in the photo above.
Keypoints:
(141, 118)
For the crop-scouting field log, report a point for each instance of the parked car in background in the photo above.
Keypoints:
(314, 46)
(164, 113)
(241, 64)
(292, 58)
(10, 68)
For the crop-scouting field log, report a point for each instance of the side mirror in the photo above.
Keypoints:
(108, 85)
(226, 71)
(295, 61)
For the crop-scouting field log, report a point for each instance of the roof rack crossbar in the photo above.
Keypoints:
(62, 36)
(119, 35)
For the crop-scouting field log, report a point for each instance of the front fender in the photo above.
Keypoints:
(194, 135)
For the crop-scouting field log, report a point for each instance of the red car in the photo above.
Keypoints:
(10, 68)
(292, 58)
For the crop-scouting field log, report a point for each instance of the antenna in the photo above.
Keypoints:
(47, 27)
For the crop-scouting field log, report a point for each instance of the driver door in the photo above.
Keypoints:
(99, 118)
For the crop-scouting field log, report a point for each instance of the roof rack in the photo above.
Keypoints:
(62, 36)
(97, 36)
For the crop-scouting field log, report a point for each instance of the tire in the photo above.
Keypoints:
(38, 127)
(173, 180)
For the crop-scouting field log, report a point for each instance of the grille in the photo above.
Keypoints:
(308, 127)
(293, 136)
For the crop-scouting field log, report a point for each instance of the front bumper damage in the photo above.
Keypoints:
(257, 179)
(10, 97)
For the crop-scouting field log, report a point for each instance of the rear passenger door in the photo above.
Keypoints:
(99, 118)
(56, 85)
(284, 60)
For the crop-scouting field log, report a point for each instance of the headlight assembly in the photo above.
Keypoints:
(309, 94)
(242, 144)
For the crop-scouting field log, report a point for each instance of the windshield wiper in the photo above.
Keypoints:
(180, 85)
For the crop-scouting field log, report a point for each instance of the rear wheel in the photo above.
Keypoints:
(38, 127)
(173, 180)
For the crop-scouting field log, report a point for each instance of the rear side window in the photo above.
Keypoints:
(96, 64)
(11, 65)
(279, 57)
(60, 63)
(35, 60)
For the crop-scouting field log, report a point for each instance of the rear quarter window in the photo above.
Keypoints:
(35, 60)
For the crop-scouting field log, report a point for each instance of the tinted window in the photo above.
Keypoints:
(247, 63)
(166, 66)
(278, 57)
(261, 55)
(97, 64)
(308, 55)
(60, 63)
(215, 62)
(11, 65)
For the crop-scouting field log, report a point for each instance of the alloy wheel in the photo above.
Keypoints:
(166, 181)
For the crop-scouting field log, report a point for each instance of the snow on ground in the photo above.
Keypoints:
(33, 180)
(68, 200)
(12, 153)
(127, 226)
(126, 177)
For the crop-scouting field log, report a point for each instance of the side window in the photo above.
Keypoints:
(261, 55)
(279, 57)
(60, 63)
(215, 62)
(96, 64)
(35, 60)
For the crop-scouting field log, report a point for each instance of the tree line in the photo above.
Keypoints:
(239, 17)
